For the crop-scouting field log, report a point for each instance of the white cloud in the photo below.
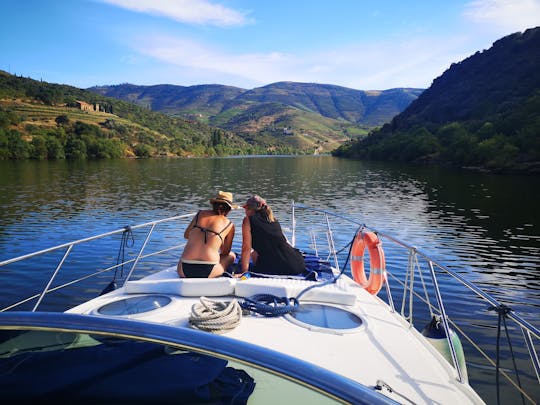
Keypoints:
(504, 16)
(367, 66)
(192, 54)
(187, 11)
(413, 62)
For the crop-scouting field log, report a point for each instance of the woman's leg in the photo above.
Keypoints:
(179, 269)
(224, 262)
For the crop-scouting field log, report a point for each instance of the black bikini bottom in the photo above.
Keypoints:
(192, 270)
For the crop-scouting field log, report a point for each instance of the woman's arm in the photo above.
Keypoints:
(227, 242)
(246, 244)
(190, 226)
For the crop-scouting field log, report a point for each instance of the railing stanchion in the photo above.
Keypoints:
(445, 322)
(52, 278)
(293, 237)
(388, 292)
(331, 243)
(314, 243)
(532, 352)
(409, 278)
(140, 252)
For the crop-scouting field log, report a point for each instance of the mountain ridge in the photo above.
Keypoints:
(483, 113)
(365, 108)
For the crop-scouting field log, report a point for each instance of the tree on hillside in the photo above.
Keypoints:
(18, 148)
(4, 144)
(62, 120)
(75, 148)
(55, 149)
(142, 150)
(38, 148)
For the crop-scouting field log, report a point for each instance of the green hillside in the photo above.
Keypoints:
(368, 109)
(483, 112)
(42, 120)
(312, 116)
(297, 128)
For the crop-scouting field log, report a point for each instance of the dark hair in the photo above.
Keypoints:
(221, 208)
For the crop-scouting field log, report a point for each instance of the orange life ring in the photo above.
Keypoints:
(377, 265)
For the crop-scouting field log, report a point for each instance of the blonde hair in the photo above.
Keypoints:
(266, 213)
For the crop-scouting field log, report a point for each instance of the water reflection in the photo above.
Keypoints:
(483, 221)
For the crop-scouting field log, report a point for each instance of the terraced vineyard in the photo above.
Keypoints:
(40, 114)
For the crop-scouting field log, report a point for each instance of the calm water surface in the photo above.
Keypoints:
(484, 226)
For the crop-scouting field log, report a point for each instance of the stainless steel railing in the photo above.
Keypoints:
(529, 332)
(69, 247)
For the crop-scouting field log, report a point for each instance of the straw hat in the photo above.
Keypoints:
(224, 197)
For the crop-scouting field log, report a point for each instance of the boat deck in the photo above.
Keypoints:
(383, 349)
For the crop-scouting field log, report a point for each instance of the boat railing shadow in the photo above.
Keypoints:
(415, 280)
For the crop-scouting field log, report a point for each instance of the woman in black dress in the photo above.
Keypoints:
(264, 242)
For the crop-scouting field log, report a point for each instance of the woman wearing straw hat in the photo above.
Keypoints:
(265, 244)
(210, 235)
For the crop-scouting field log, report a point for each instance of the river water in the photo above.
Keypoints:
(484, 226)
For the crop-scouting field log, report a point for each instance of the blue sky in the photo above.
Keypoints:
(366, 45)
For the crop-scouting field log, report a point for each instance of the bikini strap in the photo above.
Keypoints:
(196, 225)
(226, 226)
(206, 230)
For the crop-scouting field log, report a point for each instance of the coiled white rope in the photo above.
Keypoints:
(214, 316)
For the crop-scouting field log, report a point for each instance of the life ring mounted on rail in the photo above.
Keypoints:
(377, 264)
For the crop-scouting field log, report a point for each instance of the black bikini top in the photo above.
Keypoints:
(206, 230)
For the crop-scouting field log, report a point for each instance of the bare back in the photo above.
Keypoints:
(208, 234)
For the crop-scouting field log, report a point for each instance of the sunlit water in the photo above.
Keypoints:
(485, 227)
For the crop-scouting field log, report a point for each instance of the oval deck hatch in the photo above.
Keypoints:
(325, 316)
(134, 305)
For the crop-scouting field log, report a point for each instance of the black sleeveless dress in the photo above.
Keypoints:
(276, 256)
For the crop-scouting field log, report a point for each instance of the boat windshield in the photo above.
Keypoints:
(82, 358)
